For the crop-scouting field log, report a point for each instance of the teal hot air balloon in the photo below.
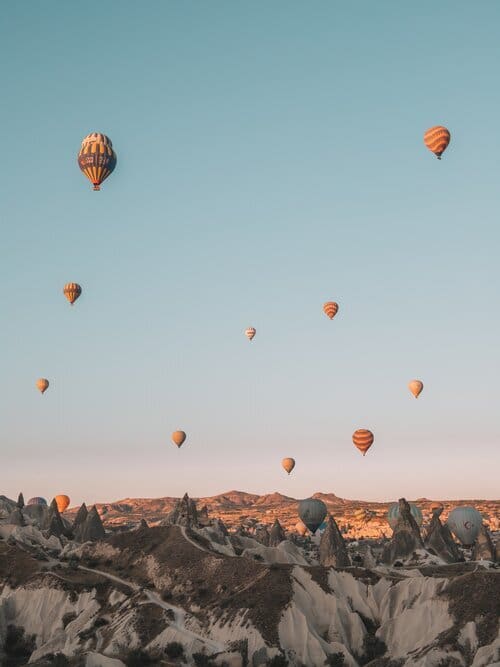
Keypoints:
(37, 500)
(312, 512)
(393, 514)
(465, 523)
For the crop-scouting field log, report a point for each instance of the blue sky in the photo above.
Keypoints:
(270, 158)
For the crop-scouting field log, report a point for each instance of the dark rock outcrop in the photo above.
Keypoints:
(38, 514)
(91, 530)
(55, 524)
(262, 535)
(332, 548)
(483, 546)
(20, 501)
(184, 513)
(277, 534)
(81, 516)
(406, 537)
(438, 538)
(16, 518)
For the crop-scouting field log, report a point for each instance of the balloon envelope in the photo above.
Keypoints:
(312, 512)
(37, 500)
(288, 464)
(72, 291)
(437, 139)
(62, 502)
(416, 386)
(97, 158)
(393, 514)
(330, 308)
(250, 333)
(465, 523)
(363, 439)
(42, 384)
(178, 437)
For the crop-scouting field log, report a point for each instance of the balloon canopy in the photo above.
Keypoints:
(393, 514)
(465, 523)
(37, 500)
(437, 139)
(97, 158)
(312, 512)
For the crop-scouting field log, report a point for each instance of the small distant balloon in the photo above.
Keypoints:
(437, 139)
(288, 464)
(42, 385)
(178, 437)
(416, 386)
(62, 502)
(72, 291)
(312, 512)
(363, 439)
(37, 500)
(96, 158)
(330, 309)
(250, 333)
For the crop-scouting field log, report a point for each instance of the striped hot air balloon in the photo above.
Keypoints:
(178, 437)
(250, 333)
(42, 384)
(288, 464)
(37, 500)
(363, 439)
(72, 291)
(330, 309)
(416, 386)
(393, 514)
(437, 139)
(97, 158)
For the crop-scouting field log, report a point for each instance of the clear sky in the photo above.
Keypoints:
(270, 158)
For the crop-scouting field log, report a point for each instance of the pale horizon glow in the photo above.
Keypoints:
(270, 158)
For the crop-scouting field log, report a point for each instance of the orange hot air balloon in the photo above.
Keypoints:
(72, 291)
(416, 386)
(288, 464)
(42, 384)
(363, 439)
(62, 503)
(330, 309)
(178, 437)
(437, 139)
(250, 333)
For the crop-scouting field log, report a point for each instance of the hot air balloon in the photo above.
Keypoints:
(363, 440)
(415, 386)
(62, 502)
(465, 523)
(178, 437)
(330, 309)
(97, 158)
(437, 139)
(42, 384)
(288, 464)
(250, 333)
(37, 501)
(312, 512)
(72, 291)
(393, 514)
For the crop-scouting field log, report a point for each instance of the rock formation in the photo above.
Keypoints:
(91, 529)
(483, 546)
(332, 548)
(80, 517)
(16, 518)
(20, 501)
(277, 534)
(406, 537)
(184, 513)
(438, 538)
(262, 535)
(38, 514)
(55, 525)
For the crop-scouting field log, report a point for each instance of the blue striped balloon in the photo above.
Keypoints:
(37, 501)
(393, 514)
